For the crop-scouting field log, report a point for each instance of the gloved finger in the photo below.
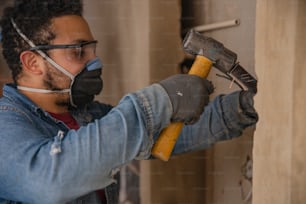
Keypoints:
(192, 120)
(209, 86)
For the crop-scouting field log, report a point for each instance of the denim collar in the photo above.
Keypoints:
(11, 92)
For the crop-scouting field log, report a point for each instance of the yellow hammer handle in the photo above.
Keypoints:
(164, 145)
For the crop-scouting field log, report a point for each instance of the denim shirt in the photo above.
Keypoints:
(43, 161)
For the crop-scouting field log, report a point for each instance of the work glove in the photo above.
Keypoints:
(189, 94)
(246, 100)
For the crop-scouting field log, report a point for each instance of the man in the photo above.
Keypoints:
(56, 144)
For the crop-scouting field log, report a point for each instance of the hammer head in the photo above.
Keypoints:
(197, 44)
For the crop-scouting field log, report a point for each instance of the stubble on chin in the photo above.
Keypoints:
(55, 81)
(63, 103)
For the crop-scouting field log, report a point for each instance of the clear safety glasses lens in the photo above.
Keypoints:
(79, 53)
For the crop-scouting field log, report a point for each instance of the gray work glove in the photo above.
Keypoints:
(189, 94)
(247, 104)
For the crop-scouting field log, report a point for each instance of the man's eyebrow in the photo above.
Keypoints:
(79, 41)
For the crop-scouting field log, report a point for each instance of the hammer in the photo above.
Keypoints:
(209, 52)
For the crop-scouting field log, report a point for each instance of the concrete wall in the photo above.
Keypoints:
(279, 150)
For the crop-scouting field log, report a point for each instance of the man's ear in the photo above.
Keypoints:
(31, 62)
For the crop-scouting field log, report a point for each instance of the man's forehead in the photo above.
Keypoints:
(71, 29)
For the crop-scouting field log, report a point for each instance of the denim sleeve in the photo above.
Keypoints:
(38, 169)
(222, 119)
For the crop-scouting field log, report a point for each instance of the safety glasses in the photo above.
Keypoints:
(80, 53)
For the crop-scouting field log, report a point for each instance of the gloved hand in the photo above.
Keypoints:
(189, 94)
(247, 104)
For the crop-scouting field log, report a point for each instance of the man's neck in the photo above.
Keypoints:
(48, 102)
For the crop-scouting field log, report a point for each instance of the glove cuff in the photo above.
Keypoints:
(246, 101)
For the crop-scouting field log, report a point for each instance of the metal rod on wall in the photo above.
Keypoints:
(219, 25)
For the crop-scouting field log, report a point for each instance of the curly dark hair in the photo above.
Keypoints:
(33, 17)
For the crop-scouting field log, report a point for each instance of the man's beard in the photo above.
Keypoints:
(52, 80)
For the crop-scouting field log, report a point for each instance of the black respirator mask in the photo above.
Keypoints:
(84, 85)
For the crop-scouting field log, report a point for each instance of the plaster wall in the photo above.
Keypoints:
(279, 150)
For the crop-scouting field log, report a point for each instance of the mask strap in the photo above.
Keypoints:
(42, 90)
(52, 62)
